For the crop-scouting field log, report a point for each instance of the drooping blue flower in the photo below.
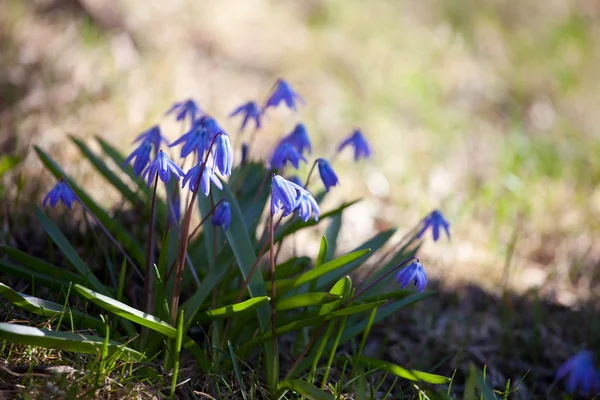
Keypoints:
(299, 139)
(223, 154)
(435, 220)
(327, 173)
(359, 143)
(249, 110)
(413, 273)
(295, 180)
(284, 195)
(286, 152)
(306, 205)
(196, 139)
(152, 135)
(282, 91)
(61, 191)
(185, 109)
(164, 167)
(222, 215)
(212, 127)
(581, 375)
(141, 155)
(207, 177)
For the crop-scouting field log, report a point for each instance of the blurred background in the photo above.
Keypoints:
(486, 110)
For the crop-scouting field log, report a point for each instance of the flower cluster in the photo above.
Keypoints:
(581, 374)
(209, 147)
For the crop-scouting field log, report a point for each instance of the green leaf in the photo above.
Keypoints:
(110, 176)
(347, 311)
(194, 303)
(127, 312)
(40, 266)
(305, 389)
(233, 309)
(286, 285)
(392, 308)
(332, 233)
(65, 341)
(342, 288)
(46, 308)
(322, 252)
(116, 229)
(305, 300)
(412, 375)
(63, 244)
(296, 224)
(142, 318)
(374, 244)
(30, 275)
(242, 247)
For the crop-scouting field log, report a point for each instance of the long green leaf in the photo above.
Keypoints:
(66, 341)
(305, 389)
(232, 309)
(63, 244)
(127, 312)
(31, 275)
(41, 266)
(241, 244)
(305, 300)
(374, 244)
(332, 233)
(116, 229)
(142, 318)
(412, 375)
(46, 308)
(322, 252)
(285, 285)
(110, 176)
(194, 303)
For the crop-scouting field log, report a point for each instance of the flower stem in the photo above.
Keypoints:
(310, 172)
(149, 278)
(273, 301)
(185, 237)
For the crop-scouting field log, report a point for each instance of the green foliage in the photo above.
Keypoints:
(315, 300)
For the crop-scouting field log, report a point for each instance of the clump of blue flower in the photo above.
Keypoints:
(581, 374)
(283, 92)
(60, 192)
(250, 111)
(413, 273)
(164, 167)
(222, 215)
(360, 145)
(435, 221)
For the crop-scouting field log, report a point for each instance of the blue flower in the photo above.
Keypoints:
(327, 173)
(61, 191)
(295, 180)
(283, 92)
(196, 139)
(435, 220)
(250, 110)
(413, 273)
(582, 376)
(288, 196)
(185, 109)
(163, 166)
(299, 139)
(223, 154)
(286, 152)
(207, 177)
(152, 135)
(222, 215)
(360, 144)
(211, 126)
(284, 195)
(306, 205)
(141, 155)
